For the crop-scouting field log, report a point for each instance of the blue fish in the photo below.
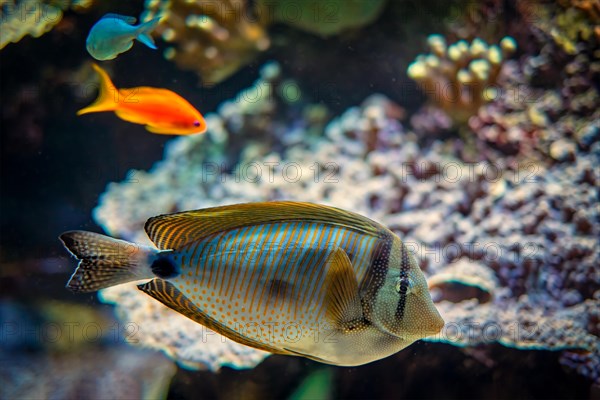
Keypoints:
(113, 34)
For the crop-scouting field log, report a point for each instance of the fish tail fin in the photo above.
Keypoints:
(108, 96)
(144, 32)
(105, 261)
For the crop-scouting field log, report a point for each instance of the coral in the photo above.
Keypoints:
(461, 77)
(543, 106)
(463, 280)
(212, 38)
(547, 124)
(19, 18)
(322, 18)
(570, 22)
(521, 239)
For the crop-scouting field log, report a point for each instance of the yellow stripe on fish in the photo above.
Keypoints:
(286, 277)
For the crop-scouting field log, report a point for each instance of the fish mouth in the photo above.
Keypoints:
(436, 327)
(434, 324)
(430, 326)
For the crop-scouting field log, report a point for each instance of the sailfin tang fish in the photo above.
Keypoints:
(286, 277)
(160, 110)
(114, 34)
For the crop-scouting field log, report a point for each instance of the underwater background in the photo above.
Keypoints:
(469, 128)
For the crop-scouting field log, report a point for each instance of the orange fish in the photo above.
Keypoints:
(160, 110)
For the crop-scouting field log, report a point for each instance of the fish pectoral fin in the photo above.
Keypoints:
(342, 305)
(171, 297)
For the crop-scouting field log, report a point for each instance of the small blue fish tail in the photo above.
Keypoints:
(144, 32)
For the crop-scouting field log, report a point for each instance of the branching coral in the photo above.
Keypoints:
(461, 77)
(19, 18)
(543, 106)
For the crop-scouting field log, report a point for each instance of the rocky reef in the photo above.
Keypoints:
(510, 250)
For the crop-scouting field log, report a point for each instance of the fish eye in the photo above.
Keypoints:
(402, 284)
(196, 123)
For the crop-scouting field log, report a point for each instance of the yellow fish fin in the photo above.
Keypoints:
(175, 230)
(108, 95)
(157, 93)
(170, 296)
(342, 304)
(162, 131)
(134, 117)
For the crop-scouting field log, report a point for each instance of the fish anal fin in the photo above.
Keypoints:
(343, 307)
(315, 358)
(175, 230)
(171, 297)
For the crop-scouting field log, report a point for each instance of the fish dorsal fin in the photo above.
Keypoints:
(125, 18)
(172, 231)
(147, 94)
(342, 305)
(171, 297)
(149, 91)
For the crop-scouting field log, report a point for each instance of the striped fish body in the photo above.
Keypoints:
(267, 281)
(293, 278)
